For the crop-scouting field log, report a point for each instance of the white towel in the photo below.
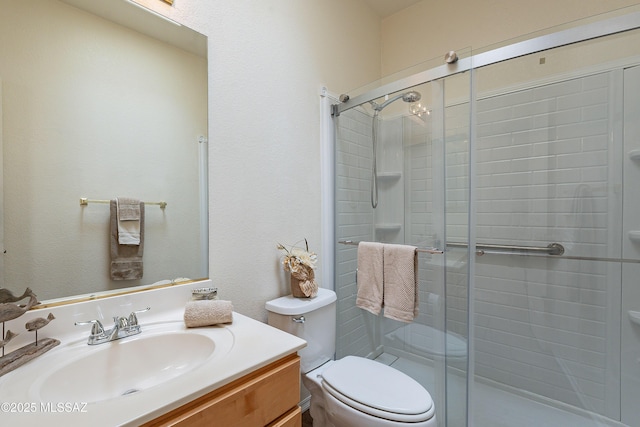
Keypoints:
(370, 276)
(400, 282)
(128, 211)
(207, 313)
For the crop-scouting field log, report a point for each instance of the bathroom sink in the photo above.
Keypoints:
(130, 365)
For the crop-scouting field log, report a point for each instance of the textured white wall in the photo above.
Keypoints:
(267, 62)
(429, 29)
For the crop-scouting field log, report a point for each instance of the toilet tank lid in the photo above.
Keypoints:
(289, 305)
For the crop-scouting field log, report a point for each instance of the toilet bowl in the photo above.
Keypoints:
(359, 392)
(352, 391)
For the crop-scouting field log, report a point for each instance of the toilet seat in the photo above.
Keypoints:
(378, 390)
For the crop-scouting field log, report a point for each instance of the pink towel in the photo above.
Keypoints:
(207, 313)
(370, 276)
(400, 282)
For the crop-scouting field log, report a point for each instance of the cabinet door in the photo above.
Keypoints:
(292, 418)
(257, 399)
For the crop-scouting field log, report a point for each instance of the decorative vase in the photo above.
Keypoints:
(295, 288)
(303, 283)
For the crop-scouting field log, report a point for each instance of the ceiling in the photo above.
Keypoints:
(386, 8)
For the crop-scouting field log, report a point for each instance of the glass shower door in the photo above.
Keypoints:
(423, 176)
(554, 170)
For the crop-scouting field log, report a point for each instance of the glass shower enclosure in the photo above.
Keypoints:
(529, 154)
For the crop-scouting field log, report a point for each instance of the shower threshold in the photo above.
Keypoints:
(495, 406)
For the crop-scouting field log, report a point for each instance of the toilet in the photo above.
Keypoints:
(353, 391)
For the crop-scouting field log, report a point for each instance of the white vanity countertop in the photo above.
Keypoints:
(255, 345)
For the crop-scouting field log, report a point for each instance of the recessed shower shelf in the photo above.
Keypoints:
(634, 154)
(634, 235)
(388, 227)
(389, 176)
(634, 316)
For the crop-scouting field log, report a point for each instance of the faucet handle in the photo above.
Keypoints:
(120, 322)
(96, 328)
(133, 319)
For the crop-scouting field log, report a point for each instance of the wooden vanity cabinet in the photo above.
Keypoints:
(266, 397)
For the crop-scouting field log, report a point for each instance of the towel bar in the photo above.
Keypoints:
(84, 201)
(426, 250)
(554, 249)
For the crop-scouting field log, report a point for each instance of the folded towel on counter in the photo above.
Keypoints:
(126, 260)
(370, 276)
(129, 216)
(207, 313)
(400, 282)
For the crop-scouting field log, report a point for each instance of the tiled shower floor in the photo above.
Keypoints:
(494, 407)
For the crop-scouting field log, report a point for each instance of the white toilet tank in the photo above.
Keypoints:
(313, 320)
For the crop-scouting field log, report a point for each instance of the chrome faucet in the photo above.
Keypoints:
(122, 327)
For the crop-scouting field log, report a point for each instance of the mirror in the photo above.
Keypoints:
(98, 104)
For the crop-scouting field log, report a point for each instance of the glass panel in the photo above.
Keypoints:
(597, 19)
(456, 158)
(551, 168)
(354, 221)
(413, 139)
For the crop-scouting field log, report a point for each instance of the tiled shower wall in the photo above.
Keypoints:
(354, 221)
(545, 168)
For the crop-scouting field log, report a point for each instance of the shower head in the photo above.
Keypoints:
(411, 96)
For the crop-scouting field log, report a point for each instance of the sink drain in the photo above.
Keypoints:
(130, 391)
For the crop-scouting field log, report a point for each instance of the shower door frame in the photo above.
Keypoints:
(582, 33)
